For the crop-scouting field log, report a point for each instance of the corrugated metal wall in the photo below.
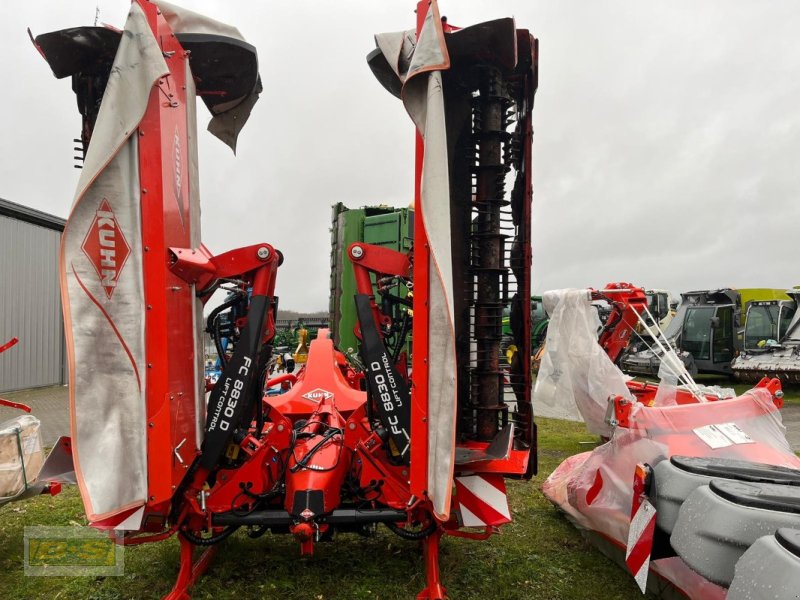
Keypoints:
(30, 306)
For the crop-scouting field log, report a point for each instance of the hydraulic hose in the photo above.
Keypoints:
(412, 535)
(210, 541)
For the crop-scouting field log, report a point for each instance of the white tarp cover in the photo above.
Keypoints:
(101, 275)
(595, 488)
(103, 300)
(576, 376)
(419, 66)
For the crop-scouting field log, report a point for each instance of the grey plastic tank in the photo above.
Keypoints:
(679, 476)
(769, 569)
(720, 521)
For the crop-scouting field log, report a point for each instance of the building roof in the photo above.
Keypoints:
(31, 215)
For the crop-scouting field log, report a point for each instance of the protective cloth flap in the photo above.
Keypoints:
(230, 115)
(102, 289)
(594, 488)
(423, 98)
(576, 377)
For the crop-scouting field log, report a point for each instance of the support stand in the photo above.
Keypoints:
(190, 571)
(430, 548)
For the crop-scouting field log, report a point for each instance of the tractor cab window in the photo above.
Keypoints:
(787, 314)
(722, 332)
(658, 305)
(696, 335)
(762, 325)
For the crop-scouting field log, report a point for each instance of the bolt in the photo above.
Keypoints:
(280, 427)
(352, 426)
(357, 252)
(263, 253)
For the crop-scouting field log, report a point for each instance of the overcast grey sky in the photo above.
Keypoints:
(666, 147)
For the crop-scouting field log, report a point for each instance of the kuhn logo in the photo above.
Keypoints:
(318, 395)
(106, 247)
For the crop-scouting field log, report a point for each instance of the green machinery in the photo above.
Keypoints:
(380, 225)
(539, 321)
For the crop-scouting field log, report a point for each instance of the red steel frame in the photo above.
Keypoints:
(421, 323)
(173, 272)
(169, 326)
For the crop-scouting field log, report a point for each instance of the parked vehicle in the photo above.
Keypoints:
(771, 341)
(707, 331)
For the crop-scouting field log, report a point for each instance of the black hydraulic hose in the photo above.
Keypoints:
(328, 435)
(210, 541)
(212, 325)
(401, 338)
(412, 535)
(223, 362)
(225, 305)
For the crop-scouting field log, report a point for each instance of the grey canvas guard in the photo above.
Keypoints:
(229, 118)
(769, 569)
(720, 521)
(410, 68)
(220, 57)
(677, 478)
(105, 335)
(417, 65)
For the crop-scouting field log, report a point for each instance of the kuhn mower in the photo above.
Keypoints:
(347, 446)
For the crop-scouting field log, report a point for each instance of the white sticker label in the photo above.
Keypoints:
(723, 435)
(713, 436)
(735, 434)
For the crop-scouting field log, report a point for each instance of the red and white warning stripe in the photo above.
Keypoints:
(482, 500)
(642, 529)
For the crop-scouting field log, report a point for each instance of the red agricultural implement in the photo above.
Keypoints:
(345, 446)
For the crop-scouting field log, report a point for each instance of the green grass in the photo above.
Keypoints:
(540, 555)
